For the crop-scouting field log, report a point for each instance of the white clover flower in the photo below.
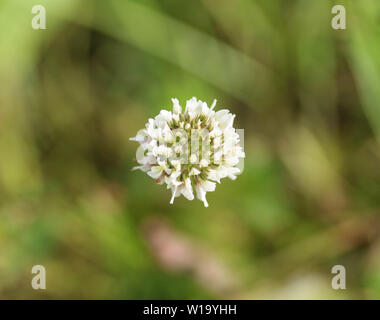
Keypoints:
(191, 149)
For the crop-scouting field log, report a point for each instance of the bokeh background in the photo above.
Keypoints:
(306, 95)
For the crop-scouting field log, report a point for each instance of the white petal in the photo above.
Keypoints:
(143, 168)
(187, 189)
(155, 172)
(194, 172)
(213, 104)
(138, 138)
(201, 194)
(176, 106)
(208, 186)
(213, 175)
(203, 163)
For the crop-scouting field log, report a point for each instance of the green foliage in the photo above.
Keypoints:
(306, 95)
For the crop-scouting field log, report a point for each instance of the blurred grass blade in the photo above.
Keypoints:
(183, 45)
(365, 58)
(20, 43)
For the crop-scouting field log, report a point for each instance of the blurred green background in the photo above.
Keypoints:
(306, 95)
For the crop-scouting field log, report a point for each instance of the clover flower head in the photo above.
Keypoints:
(190, 150)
